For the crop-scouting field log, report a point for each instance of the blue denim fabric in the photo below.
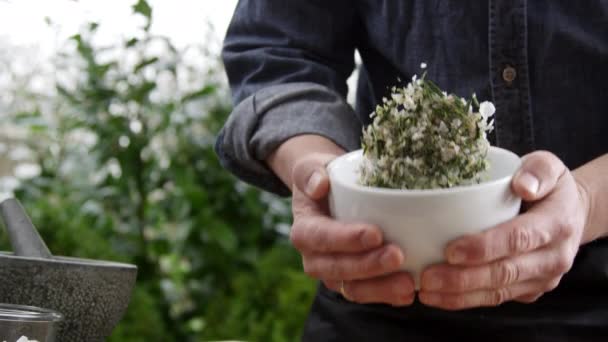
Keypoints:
(544, 63)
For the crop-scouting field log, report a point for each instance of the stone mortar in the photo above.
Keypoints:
(92, 295)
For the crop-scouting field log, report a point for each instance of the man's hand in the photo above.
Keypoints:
(348, 258)
(520, 259)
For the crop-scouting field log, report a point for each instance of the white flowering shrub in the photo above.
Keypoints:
(424, 138)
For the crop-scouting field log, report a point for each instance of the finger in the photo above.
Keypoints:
(526, 232)
(528, 299)
(310, 176)
(487, 298)
(538, 175)
(378, 262)
(396, 289)
(541, 264)
(322, 234)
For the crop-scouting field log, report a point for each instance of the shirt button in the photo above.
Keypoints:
(509, 74)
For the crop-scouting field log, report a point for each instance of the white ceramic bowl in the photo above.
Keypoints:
(422, 222)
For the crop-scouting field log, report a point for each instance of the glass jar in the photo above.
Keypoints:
(35, 324)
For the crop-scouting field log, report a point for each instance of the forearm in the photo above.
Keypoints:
(593, 181)
(264, 121)
(287, 78)
(287, 155)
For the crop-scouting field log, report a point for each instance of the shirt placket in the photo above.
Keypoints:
(509, 78)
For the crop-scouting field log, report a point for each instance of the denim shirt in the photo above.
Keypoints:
(544, 64)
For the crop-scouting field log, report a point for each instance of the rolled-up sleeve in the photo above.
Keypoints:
(287, 64)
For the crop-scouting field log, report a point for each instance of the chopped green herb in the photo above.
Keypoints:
(423, 138)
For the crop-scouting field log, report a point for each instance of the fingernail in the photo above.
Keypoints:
(433, 282)
(313, 183)
(390, 259)
(529, 182)
(370, 239)
(457, 255)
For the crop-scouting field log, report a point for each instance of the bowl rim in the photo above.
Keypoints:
(27, 313)
(70, 261)
(417, 192)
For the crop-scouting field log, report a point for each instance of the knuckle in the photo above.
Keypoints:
(546, 162)
(505, 273)
(547, 157)
(519, 240)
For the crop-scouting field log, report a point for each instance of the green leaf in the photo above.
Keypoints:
(205, 91)
(144, 63)
(67, 94)
(93, 26)
(100, 70)
(38, 128)
(140, 93)
(142, 7)
(84, 48)
(27, 114)
(131, 42)
(223, 235)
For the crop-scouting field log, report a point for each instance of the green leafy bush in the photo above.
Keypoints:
(128, 173)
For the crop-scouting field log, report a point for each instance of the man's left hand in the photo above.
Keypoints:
(520, 259)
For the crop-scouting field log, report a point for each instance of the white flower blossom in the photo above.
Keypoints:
(443, 128)
(25, 339)
(486, 109)
(398, 98)
(417, 136)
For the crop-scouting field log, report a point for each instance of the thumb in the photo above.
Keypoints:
(538, 175)
(310, 176)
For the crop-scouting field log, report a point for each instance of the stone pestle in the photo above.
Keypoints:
(24, 237)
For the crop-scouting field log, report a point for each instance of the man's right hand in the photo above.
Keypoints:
(350, 258)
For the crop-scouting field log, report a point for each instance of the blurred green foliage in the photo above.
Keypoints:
(128, 173)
